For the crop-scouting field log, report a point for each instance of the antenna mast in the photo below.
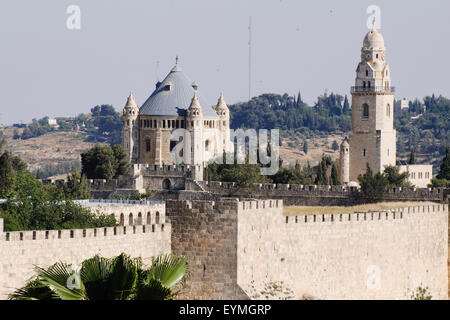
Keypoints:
(157, 71)
(250, 58)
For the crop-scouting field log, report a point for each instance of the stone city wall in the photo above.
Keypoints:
(370, 255)
(21, 250)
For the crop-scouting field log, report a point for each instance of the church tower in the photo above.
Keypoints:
(373, 138)
(224, 123)
(130, 130)
(194, 119)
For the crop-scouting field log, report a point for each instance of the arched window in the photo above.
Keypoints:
(166, 184)
(206, 145)
(365, 111)
(364, 152)
(130, 219)
(364, 84)
(388, 111)
(122, 219)
(157, 217)
(149, 218)
(139, 218)
(367, 73)
(147, 145)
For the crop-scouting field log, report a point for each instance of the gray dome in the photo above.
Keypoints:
(173, 96)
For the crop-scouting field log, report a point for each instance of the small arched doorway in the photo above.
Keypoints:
(130, 219)
(122, 219)
(166, 184)
(139, 221)
(157, 217)
(149, 218)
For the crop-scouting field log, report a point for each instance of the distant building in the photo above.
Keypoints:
(418, 174)
(401, 105)
(53, 123)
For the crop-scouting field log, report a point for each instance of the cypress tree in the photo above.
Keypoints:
(7, 175)
(299, 99)
(346, 106)
(335, 181)
(444, 172)
(412, 157)
(305, 147)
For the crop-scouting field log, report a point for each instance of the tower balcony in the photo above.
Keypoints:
(361, 89)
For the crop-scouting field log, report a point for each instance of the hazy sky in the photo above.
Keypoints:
(47, 69)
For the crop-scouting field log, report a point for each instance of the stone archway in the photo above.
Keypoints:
(166, 184)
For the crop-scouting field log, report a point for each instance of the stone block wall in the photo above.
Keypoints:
(21, 250)
(206, 233)
(129, 212)
(372, 255)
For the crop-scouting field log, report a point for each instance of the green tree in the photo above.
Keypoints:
(7, 175)
(305, 147)
(412, 157)
(395, 178)
(346, 105)
(335, 145)
(322, 175)
(117, 278)
(442, 179)
(77, 186)
(373, 186)
(104, 162)
(444, 170)
(335, 181)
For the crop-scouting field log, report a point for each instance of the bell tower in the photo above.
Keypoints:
(373, 138)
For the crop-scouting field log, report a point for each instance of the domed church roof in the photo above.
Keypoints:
(173, 96)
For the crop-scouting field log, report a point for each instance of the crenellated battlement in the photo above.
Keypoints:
(79, 234)
(295, 194)
(390, 214)
(103, 202)
(212, 185)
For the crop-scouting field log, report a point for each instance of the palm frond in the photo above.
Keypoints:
(95, 274)
(151, 290)
(56, 276)
(124, 275)
(34, 290)
(169, 269)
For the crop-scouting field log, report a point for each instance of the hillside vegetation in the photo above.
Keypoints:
(307, 132)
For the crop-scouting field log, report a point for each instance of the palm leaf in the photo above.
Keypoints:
(168, 269)
(55, 277)
(95, 274)
(124, 275)
(151, 290)
(34, 290)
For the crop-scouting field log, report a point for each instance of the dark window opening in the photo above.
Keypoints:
(173, 143)
(365, 110)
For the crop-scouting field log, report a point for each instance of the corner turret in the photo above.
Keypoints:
(130, 130)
